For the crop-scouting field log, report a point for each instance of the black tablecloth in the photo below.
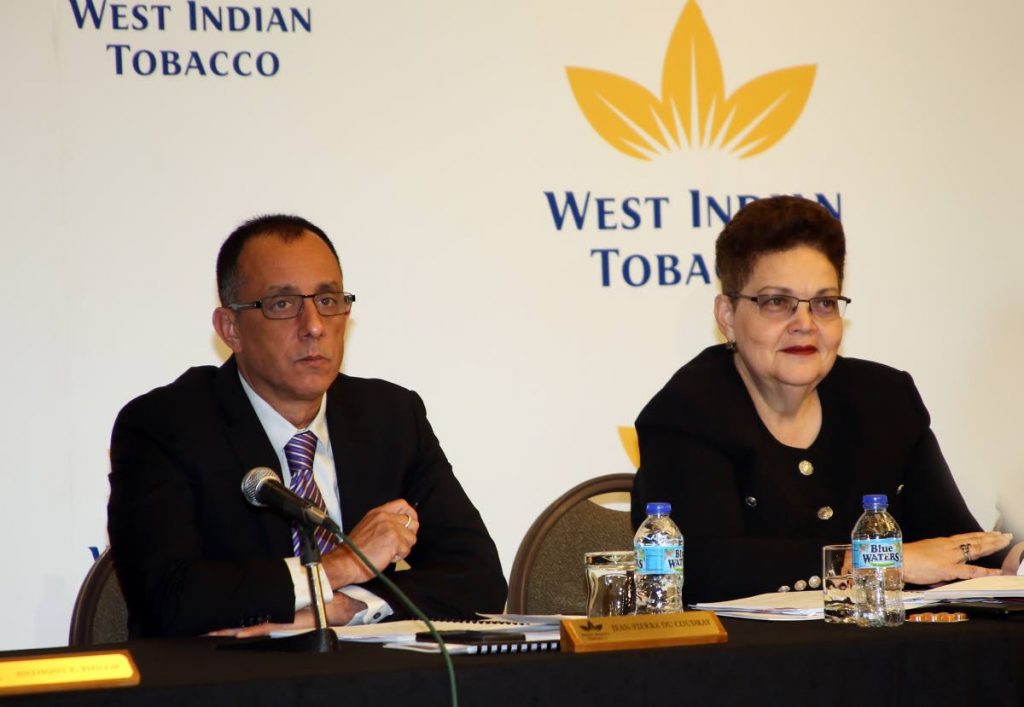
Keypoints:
(794, 663)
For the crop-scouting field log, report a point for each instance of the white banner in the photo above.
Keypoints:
(527, 223)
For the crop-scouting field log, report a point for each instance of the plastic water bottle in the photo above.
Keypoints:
(659, 562)
(877, 565)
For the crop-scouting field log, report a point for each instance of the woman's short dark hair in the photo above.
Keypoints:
(286, 227)
(773, 225)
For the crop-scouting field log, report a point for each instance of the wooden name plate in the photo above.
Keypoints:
(67, 671)
(611, 633)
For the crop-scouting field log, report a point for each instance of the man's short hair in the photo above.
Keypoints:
(287, 228)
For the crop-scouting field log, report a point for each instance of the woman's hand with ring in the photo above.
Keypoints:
(946, 559)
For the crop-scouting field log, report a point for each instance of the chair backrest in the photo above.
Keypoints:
(100, 614)
(548, 574)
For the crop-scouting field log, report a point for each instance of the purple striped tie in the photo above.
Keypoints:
(299, 452)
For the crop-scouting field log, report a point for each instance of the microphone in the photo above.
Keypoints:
(262, 487)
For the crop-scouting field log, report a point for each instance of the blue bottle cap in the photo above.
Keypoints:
(659, 508)
(876, 500)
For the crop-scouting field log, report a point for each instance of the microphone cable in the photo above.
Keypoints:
(257, 477)
(415, 610)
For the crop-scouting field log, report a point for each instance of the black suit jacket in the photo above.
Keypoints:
(192, 555)
(751, 520)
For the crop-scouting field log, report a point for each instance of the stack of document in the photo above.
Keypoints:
(526, 633)
(997, 587)
(808, 605)
(776, 606)
(402, 631)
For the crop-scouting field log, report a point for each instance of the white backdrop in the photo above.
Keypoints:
(422, 137)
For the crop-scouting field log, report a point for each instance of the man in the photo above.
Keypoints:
(194, 557)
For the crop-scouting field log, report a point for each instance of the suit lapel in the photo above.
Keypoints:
(252, 448)
(344, 420)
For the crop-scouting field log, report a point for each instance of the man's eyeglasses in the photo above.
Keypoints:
(784, 306)
(328, 304)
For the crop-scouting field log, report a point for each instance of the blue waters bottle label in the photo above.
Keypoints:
(659, 559)
(878, 553)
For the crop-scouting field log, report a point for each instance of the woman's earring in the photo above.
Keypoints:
(730, 345)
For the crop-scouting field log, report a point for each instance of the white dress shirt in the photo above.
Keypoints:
(280, 432)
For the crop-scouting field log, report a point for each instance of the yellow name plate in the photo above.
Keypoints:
(611, 633)
(67, 671)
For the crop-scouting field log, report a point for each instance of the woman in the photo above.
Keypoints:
(765, 445)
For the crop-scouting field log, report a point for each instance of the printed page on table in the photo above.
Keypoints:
(535, 642)
(807, 604)
(789, 606)
(401, 631)
(534, 619)
(1007, 586)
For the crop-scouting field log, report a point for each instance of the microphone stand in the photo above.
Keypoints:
(322, 638)
(413, 609)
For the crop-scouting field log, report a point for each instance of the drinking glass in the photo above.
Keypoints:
(611, 591)
(837, 584)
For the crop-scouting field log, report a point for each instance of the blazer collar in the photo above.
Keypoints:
(251, 447)
(250, 442)
(345, 422)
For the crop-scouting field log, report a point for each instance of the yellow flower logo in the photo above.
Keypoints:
(630, 442)
(693, 110)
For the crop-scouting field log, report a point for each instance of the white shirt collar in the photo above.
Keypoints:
(279, 430)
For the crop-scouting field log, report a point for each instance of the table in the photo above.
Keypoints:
(793, 663)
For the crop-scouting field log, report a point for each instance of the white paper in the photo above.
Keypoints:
(807, 603)
(790, 606)
(548, 636)
(401, 631)
(769, 616)
(980, 588)
(533, 619)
